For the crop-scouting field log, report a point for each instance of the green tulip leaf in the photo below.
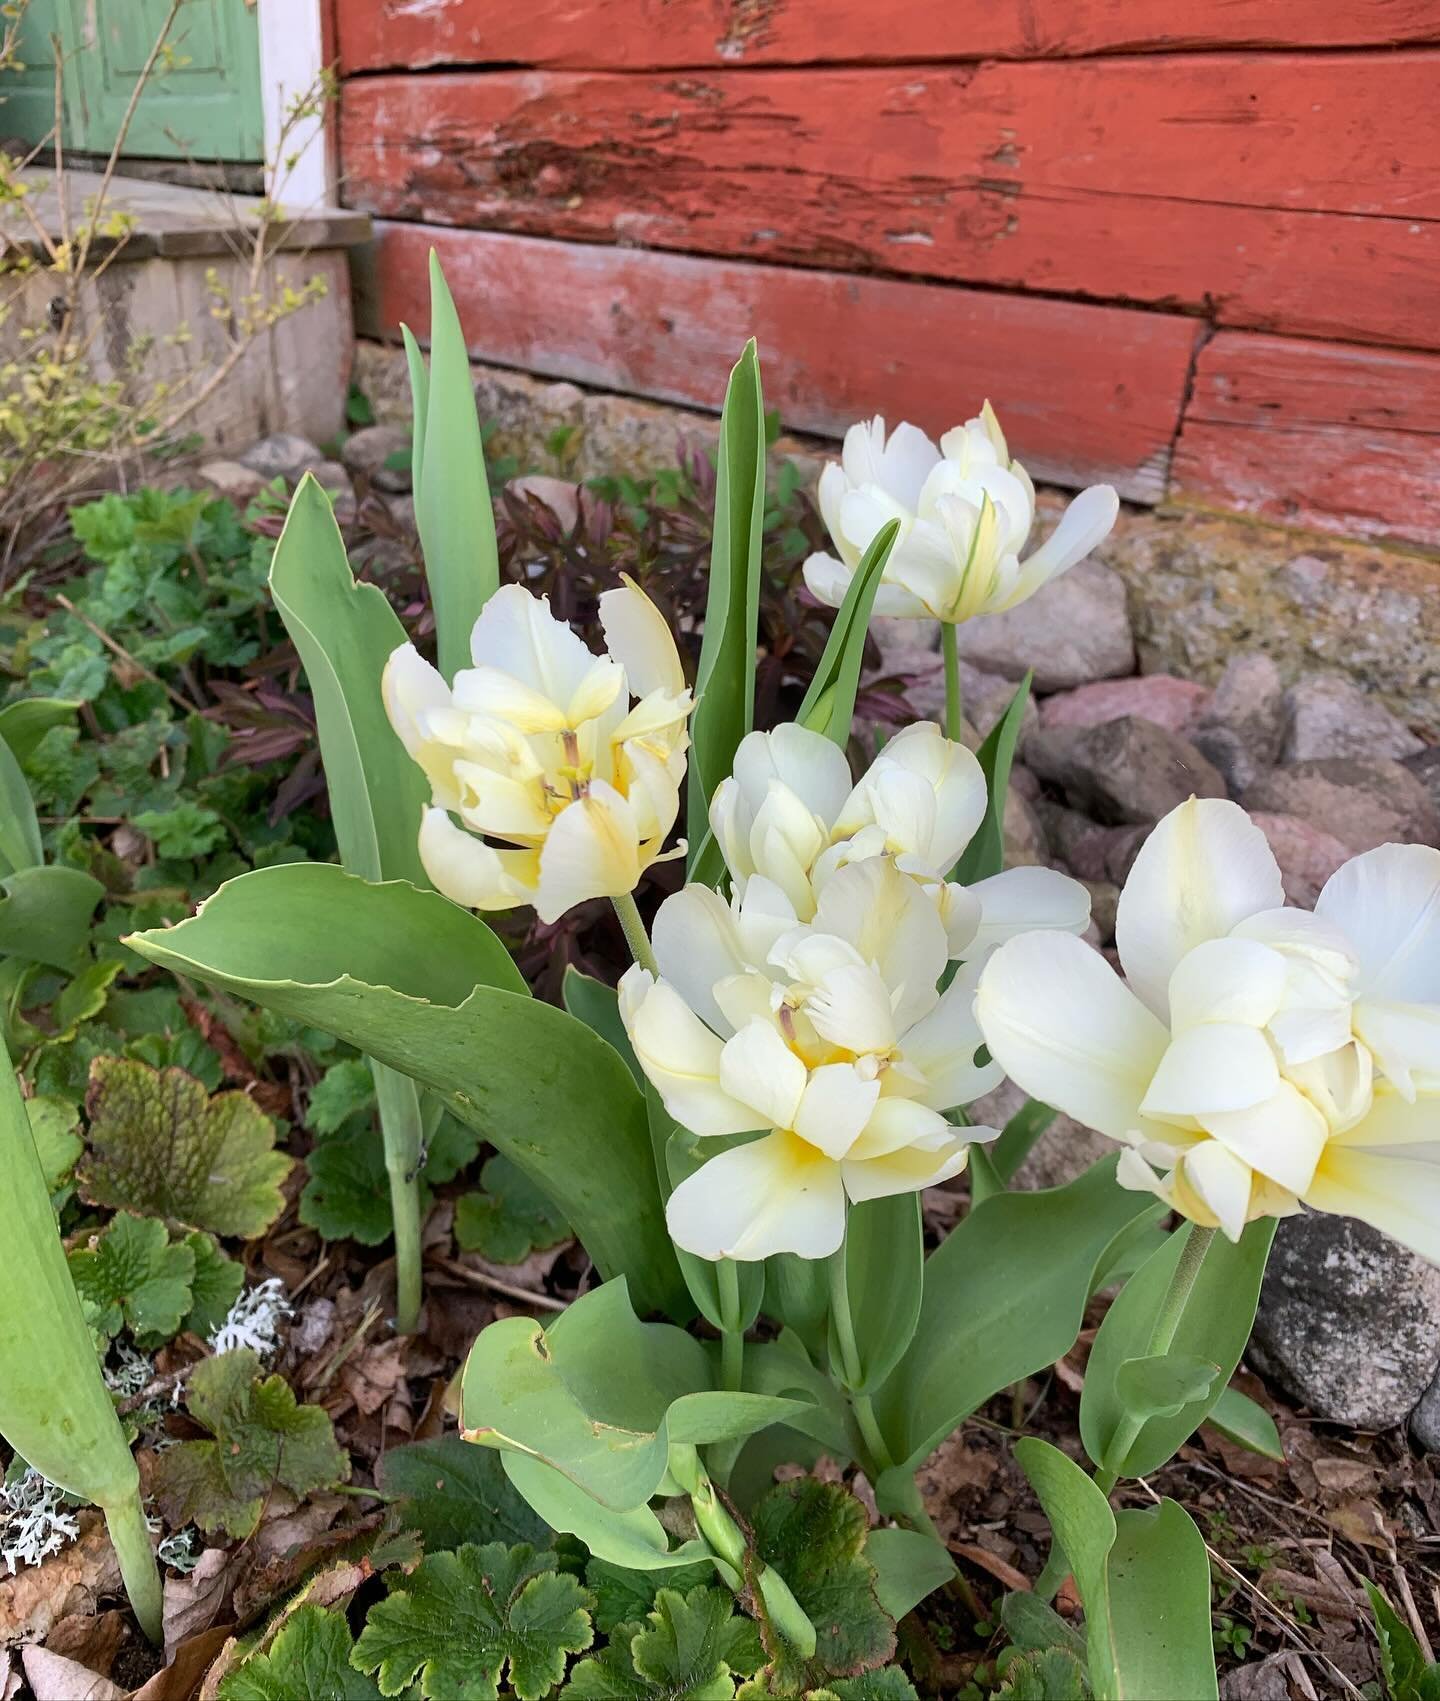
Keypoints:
(23, 724)
(45, 915)
(984, 856)
(909, 1567)
(1164, 1385)
(885, 1273)
(1241, 1420)
(635, 1540)
(408, 978)
(20, 846)
(598, 1006)
(829, 705)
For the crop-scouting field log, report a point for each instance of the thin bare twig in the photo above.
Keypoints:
(119, 649)
(511, 1290)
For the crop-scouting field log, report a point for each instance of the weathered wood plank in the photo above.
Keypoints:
(659, 34)
(1282, 191)
(1337, 437)
(1086, 392)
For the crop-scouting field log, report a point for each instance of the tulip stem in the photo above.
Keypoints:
(732, 1335)
(130, 1537)
(402, 1134)
(635, 935)
(851, 1371)
(953, 719)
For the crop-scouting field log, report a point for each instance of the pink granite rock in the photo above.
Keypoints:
(1175, 704)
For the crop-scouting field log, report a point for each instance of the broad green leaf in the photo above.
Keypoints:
(994, 1310)
(452, 499)
(84, 995)
(683, 1155)
(814, 1534)
(885, 1264)
(1215, 1328)
(1159, 1589)
(1017, 1139)
(215, 1287)
(159, 1143)
(1032, 1625)
(1084, 1529)
(598, 1006)
(24, 724)
(262, 1440)
(45, 915)
(47, 1354)
(419, 403)
(909, 1566)
(19, 830)
(829, 704)
(797, 1293)
(425, 987)
(509, 1220)
(985, 854)
(131, 1276)
(635, 1540)
(1240, 1420)
(601, 1396)
(782, 1367)
(887, 1684)
(1409, 1676)
(453, 1492)
(310, 1657)
(345, 633)
(1050, 1674)
(725, 678)
(1163, 1385)
(462, 1619)
(686, 1649)
(53, 1124)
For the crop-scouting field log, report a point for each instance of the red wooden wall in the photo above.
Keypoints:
(1192, 246)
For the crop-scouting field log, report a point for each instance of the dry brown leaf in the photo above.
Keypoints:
(196, 1602)
(220, 1668)
(54, 1678)
(34, 1600)
(1334, 1599)
(1361, 1521)
(11, 1675)
(94, 1642)
(371, 1377)
(193, 1659)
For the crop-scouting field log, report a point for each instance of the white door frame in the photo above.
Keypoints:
(292, 58)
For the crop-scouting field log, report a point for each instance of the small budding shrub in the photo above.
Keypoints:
(740, 1132)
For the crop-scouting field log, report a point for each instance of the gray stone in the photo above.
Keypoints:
(1329, 716)
(228, 478)
(1363, 804)
(1124, 772)
(1076, 629)
(1349, 1322)
(382, 454)
(1066, 1148)
(1242, 729)
(1425, 1419)
(1426, 769)
(1026, 844)
(1088, 850)
(283, 454)
(1104, 902)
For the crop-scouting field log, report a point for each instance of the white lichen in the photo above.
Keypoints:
(35, 1520)
(181, 1551)
(254, 1320)
(127, 1372)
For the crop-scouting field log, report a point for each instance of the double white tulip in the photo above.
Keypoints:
(1260, 1057)
(834, 1042)
(789, 818)
(966, 511)
(539, 748)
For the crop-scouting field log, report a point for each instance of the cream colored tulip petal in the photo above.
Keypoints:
(1068, 1031)
(1281, 1138)
(1398, 1196)
(1340, 1085)
(908, 1170)
(851, 1009)
(834, 1107)
(829, 493)
(762, 916)
(905, 464)
(637, 636)
(1023, 900)
(892, 923)
(592, 851)
(1204, 868)
(943, 1047)
(1304, 1032)
(493, 692)
(730, 821)
(895, 1123)
(806, 763)
(865, 510)
(923, 565)
(862, 451)
(953, 775)
(1134, 1174)
(1395, 1124)
(1227, 980)
(472, 873)
(697, 945)
(411, 688)
(773, 1195)
(1222, 1181)
(502, 805)
(894, 602)
(1405, 1039)
(827, 579)
(517, 634)
(1215, 1066)
(1304, 936)
(758, 1068)
(653, 790)
(745, 998)
(1387, 903)
(1084, 524)
(681, 1057)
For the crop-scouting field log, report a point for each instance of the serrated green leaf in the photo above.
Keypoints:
(345, 1089)
(887, 1684)
(1240, 1420)
(215, 1288)
(686, 1649)
(1050, 1674)
(347, 1196)
(461, 1619)
(509, 1220)
(454, 1492)
(310, 1657)
(984, 856)
(622, 1595)
(813, 1533)
(24, 724)
(159, 1143)
(263, 1438)
(130, 1275)
(1032, 1625)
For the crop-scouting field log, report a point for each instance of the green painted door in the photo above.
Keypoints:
(201, 103)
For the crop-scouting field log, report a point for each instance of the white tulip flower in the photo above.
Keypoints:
(840, 1050)
(966, 510)
(539, 749)
(1261, 1058)
(791, 817)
